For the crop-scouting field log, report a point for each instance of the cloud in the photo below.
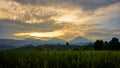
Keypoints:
(72, 17)
(30, 13)
(66, 30)
(22, 26)
(85, 4)
(15, 28)
(27, 13)
(105, 34)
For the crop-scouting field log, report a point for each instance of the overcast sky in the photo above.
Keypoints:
(65, 19)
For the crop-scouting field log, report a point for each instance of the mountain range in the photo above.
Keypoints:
(54, 41)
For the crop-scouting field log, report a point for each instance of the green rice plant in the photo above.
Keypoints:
(59, 59)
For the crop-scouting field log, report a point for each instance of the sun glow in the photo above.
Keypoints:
(67, 18)
(44, 34)
(33, 20)
(73, 18)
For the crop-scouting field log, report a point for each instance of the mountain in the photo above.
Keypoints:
(2, 47)
(80, 41)
(28, 41)
(11, 42)
(55, 41)
(34, 41)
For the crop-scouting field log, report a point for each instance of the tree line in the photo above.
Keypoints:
(114, 44)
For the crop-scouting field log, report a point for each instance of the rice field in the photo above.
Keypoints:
(59, 59)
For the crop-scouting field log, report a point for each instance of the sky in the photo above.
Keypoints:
(64, 19)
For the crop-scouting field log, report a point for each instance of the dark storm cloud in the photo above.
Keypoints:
(85, 4)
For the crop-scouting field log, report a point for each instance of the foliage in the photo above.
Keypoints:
(114, 44)
(59, 59)
(98, 45)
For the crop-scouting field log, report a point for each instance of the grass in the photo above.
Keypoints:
(59, 59)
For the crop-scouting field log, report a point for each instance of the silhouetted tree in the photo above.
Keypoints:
(106, 45)
(98, 45)
(67, 43)
(114, 44)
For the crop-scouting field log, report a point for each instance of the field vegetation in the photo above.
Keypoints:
(59, 59)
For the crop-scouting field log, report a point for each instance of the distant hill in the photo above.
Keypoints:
(11, 43)
(7, 47)
(35, 42)
(56, 41)
(80, 41)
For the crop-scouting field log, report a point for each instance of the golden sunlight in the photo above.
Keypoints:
(73, 18)
(33, 20)
(44, 34)
(67, 18)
